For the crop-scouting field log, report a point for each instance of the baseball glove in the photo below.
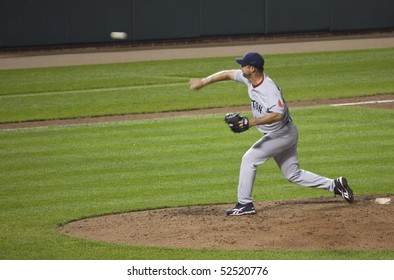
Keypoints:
(236, 122)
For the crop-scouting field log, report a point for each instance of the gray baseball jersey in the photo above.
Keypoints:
(265, 98)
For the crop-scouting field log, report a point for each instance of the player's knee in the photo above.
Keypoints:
(248, 160)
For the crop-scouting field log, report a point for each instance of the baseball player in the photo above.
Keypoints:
(271, 117)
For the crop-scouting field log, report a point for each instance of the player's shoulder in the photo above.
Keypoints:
(268, 79)
(270, 82)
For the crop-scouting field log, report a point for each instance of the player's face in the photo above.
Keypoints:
(246, 71)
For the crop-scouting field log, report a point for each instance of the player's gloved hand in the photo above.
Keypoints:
(236, 122)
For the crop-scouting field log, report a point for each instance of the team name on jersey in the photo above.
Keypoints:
(260, 108)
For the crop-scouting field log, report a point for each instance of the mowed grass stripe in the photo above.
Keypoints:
(89, 91)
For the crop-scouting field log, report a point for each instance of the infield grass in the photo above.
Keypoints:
(52, 175)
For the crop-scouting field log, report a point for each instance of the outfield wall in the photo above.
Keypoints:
(47, 22)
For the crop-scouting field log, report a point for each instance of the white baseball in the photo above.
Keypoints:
(118, 35)
(383, 200)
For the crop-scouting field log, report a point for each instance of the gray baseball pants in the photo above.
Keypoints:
(282, 146)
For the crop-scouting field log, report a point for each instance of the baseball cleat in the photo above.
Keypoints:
(342, 188)
(241, 209)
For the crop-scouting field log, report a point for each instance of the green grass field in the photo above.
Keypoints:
(81, 91)
(53, 175)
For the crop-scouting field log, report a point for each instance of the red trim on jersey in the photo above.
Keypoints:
(255, 86)
(280, 104)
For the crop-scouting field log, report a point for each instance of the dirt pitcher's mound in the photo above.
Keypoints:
(323, 223)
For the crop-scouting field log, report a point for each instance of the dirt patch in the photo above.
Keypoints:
(321, 223)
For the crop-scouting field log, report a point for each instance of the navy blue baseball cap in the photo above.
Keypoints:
(253, 59)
